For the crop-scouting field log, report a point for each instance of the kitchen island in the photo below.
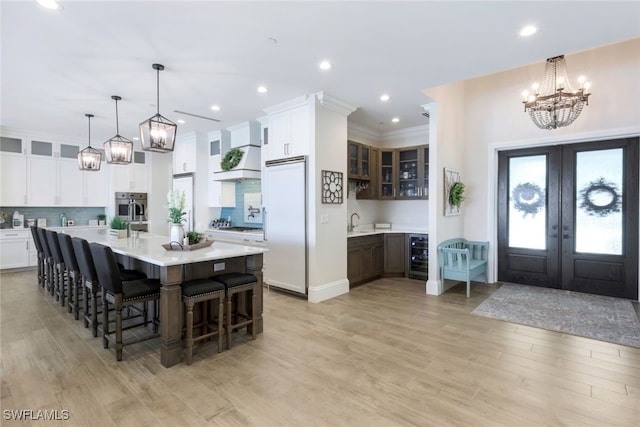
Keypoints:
(146, 253)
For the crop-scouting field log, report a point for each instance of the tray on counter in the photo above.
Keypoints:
(175, 246)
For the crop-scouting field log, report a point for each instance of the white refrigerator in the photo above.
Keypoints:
(285, 224)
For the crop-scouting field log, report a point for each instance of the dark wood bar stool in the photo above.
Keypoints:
(202, 291)
(74, 277)
(91, 287)
(113, 292)
(59, 270)
(48, 260)
(236, 284)
(36, 242)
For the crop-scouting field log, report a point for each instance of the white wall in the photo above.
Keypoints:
(488, 115)
(327, 239)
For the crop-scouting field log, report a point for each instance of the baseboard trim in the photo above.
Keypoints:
(327, 291)
(434, 287)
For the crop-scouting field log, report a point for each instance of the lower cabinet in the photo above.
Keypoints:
(365, 258)
(395, 258)
(15, 245)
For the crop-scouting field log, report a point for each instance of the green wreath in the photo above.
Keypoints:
(456, 194)
(231, 159)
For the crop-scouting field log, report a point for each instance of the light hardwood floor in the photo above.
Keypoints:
(385, 354)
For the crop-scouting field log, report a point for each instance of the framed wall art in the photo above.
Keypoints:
(332, 187)
(451, 177)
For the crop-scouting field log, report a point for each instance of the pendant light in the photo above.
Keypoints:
(158, 133)
(118, 150)
(89, 159)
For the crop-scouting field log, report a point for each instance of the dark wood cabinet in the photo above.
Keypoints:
(365, 258)
(362, 161)
(394, 254)
(403, 174)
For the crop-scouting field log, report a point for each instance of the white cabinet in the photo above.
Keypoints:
(289, 132)
(15, 248)
(13, 191)
(132, 177)
(96, 188)
(220, 194)
(184, 154)
(70, 183)
(42, 180)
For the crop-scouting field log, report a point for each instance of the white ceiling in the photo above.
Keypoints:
(57, 66)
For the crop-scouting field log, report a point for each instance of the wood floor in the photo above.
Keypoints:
(385, 354)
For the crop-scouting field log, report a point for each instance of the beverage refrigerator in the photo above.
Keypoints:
(418, 258)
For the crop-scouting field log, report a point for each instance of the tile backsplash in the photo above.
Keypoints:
(79, 215)
(240, 215)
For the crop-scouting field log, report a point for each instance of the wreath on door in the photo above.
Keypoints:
(231, 159)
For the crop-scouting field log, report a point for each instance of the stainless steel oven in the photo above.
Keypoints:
(133, 208)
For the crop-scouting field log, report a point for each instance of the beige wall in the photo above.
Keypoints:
(477, 117)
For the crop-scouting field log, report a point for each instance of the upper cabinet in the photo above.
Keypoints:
(13, 164)
(184, 154)
(359, 161)
(404, 173)
(289, 132)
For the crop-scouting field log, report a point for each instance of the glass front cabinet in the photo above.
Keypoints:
(404, 173)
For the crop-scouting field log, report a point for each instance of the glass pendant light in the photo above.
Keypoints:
(158, 133)
(118, 150)
(89, 159)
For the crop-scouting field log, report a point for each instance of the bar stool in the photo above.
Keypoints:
(113, 292)
(237, 284)
(36, 242)
(48, 260)
(83, 255)
(59, 270)
(196, 291)
(74, 277)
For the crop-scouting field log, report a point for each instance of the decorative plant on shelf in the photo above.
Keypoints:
(456, 194)
(176, 202)
(118, 223)
(194, 237)
(231, 159)
(102, 217)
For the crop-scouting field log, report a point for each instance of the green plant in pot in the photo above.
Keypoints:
(456, 194)
(118, 223)
(102, 217)
(194, 237)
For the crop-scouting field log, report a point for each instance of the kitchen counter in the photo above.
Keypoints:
(368, 231)
(254, 237)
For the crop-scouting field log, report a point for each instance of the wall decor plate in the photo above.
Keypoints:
(332, 187)
(451, 176)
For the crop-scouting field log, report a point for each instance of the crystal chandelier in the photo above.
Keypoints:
(158, 133)
(89, 159)
(555, 104)
(118, 150)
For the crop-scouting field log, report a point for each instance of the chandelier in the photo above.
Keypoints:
(555, 104)
(158, 133)
(89, 158)
(118, 150)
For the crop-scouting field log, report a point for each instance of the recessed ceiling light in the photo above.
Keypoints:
(50, 4)
(215, 107)
(395, 120)
(135, 138)
(528, 30)
(262, 89)
(384, 97)
(181, 121)
(325, 65)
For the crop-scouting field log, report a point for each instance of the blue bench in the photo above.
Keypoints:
(461, 259)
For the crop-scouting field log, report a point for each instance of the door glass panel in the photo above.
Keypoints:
(599, 195)
(528, 202)
(353, 159)
(365, 161)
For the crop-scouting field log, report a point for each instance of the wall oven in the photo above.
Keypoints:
(132, 207)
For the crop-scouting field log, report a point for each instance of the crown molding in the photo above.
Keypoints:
(335, 104)
(356, 130)
(415, 131)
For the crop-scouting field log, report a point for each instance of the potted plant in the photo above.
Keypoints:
(102, 219)
(194, 237)
(118, 227)
(456, 194)
(175, 204)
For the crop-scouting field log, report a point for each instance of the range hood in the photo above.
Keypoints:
(246, 137)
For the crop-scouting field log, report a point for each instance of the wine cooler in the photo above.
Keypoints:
(418, 256)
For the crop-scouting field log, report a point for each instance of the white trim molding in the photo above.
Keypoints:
(327, 291)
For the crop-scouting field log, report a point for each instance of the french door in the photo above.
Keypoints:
(568, 217)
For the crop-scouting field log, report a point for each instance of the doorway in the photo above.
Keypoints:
(568, 217)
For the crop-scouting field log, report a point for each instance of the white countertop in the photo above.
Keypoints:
(368, 230)
(149, 248)
(259, 234)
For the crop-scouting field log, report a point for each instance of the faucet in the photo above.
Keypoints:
(132, 215)
(351, 222)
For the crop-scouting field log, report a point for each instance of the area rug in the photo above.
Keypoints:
(592, 316)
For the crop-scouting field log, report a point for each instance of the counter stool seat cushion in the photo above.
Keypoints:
(237, 284)
(135, 289)
(203, 291)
